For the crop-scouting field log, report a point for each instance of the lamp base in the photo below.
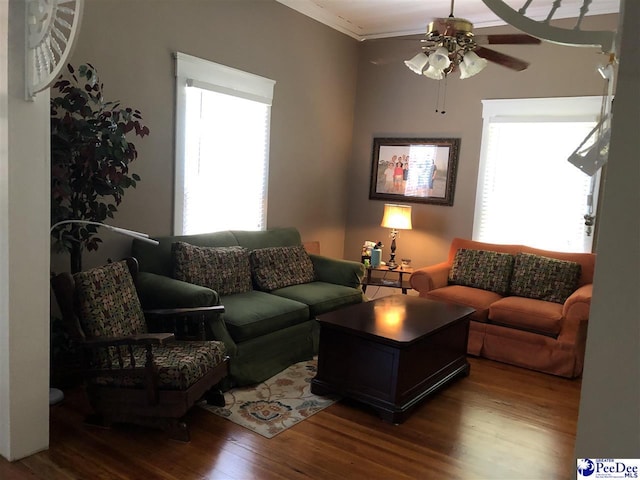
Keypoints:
(391, 264)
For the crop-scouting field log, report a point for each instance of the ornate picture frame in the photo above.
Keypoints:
(418, 170)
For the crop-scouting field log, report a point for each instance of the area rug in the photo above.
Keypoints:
(276, 404)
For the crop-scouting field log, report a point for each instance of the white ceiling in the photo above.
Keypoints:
(367, 19)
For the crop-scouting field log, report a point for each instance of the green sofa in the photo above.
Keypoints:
(264, 331)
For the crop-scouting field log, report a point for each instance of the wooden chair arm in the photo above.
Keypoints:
(142, 339)
(185, 311)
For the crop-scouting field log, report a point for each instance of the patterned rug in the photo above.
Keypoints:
(276, 404)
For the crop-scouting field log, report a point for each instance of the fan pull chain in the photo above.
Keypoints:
(444, 97)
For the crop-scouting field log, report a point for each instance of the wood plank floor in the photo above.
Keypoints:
(501, 422)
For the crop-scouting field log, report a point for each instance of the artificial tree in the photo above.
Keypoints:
(90, 157)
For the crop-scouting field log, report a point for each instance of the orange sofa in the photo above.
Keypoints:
(534, 333)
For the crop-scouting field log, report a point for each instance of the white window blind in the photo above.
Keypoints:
(528, 193)
(222, 147)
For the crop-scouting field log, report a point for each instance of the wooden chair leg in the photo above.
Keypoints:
(215, 397)
(98, 420)
(179, 431)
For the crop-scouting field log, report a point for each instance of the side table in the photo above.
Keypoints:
(400, 278)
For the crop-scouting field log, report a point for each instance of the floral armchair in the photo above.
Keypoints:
(133, 370)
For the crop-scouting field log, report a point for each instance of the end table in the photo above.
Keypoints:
(400, 278)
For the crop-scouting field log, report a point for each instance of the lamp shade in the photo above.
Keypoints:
(463, 71)
(473, 64)
(433, 73)
(396, 216)
(417, 63)
(440, 58)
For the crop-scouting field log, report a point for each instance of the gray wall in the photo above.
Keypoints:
(131, 44)
(394, 102)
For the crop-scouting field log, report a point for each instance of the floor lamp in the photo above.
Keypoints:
(56, 395)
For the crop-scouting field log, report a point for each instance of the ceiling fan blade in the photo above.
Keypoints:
(380, 61)
(502, 59)
(507, 39)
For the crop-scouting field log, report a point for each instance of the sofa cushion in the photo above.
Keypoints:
(158, 258)
(482, 269)
(108, 302)
(469, 296)
(278, 267)
(253, 314)
(544, 278)
(321, 297)
(223, 269)
(528, 314)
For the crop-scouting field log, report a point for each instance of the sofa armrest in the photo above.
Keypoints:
(157, 291)
(217, 330)
(160, 292)
(429, 278)
(340, 272)
(578, 304)
(573, 333)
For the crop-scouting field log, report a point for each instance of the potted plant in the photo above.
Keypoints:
(90, 156)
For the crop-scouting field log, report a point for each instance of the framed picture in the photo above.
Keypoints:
(419, 170)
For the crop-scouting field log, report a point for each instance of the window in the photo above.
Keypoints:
(528, 193)
(222, 147)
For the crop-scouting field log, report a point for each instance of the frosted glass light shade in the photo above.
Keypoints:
(434, 73)
(396, 216)
(473, 64)
(440, 58)
(417, 63)
(463, 71)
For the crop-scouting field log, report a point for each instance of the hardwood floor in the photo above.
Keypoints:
(501, 422)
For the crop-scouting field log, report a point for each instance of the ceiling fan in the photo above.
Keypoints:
(450, 45)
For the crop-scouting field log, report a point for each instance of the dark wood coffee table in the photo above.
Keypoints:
(390, 353)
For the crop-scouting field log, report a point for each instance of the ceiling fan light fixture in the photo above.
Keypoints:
(450, 44)
(434, 73)
(440, 58)
(417, 63)
(473, 64)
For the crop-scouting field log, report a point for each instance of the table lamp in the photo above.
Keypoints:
(395, 217)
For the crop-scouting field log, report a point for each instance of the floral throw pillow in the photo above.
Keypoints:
(279, 267)
(482, 269)
(223, 269)
(544, 278)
